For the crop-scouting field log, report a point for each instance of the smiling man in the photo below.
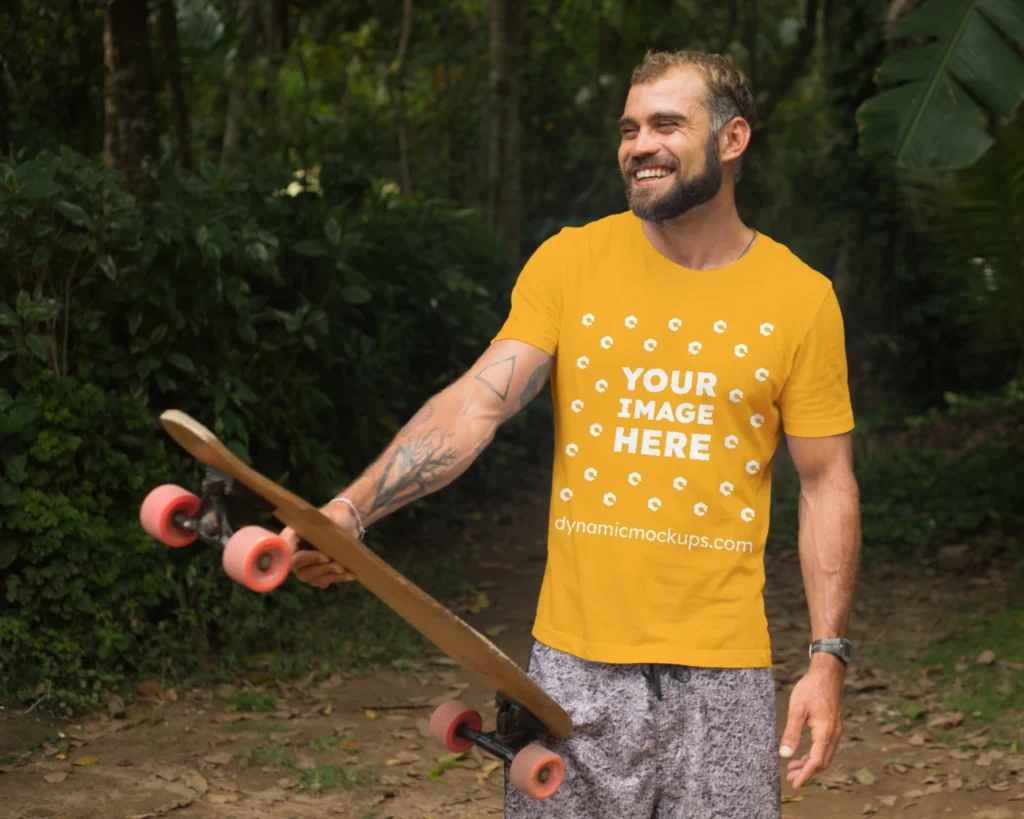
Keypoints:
(681, 345)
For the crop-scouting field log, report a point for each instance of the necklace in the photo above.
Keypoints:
(750, 244)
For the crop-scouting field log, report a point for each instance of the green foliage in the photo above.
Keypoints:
(977, 220)
(117, 308)
(914, 500)
(933, 114)
(80, 578)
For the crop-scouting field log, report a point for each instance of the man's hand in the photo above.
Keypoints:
(314, 567)
(816, 700)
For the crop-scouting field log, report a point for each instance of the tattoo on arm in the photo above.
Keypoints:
(498, 376)
(413, 466)
(536, 383)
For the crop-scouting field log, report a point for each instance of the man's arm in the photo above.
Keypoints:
(829, 543)
(449, 432)
(829, 532)
(438, 444)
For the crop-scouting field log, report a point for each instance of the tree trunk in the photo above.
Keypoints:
(168, 21)
(277, 37)
(751, 41)
(5, 112)
(129, 105)
(403, 126)
(248, 15)
(504, 196)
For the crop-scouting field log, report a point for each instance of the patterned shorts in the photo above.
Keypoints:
(658, 742)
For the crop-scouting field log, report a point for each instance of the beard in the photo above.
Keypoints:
(684, 195)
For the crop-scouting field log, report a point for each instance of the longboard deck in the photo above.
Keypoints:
(456, 638)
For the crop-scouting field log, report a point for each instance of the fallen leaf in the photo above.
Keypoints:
(869, 809)
(404, 758)
(150, 688)
(918, 738)
(787, 799)
(949, 720)
(987, 657)
(218, 759)
(865, 777)
(115, 707)
(167, 774)
(888, 801)
(197, 782)
(889, 728)
(955, 784)
(86, 760)
(999, 787)
(171, 695)
(993, 813)
(223, 798)
(370, 713)
(287, 782)
(984, 760)
(56, 777)
(931, 790)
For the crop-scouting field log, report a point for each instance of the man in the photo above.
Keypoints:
(681, 344)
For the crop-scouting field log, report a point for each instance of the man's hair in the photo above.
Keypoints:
(729, 94)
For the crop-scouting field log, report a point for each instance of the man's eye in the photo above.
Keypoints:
(664, 125)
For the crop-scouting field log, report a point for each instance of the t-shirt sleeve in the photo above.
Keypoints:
(536, 313)
(815, 399)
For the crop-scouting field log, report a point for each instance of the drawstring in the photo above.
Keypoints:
(653, 673)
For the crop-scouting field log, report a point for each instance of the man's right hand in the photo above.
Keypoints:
(312, 566)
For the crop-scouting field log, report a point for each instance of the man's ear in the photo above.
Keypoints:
(733, 139)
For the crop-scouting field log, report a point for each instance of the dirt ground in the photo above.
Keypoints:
(353, 745)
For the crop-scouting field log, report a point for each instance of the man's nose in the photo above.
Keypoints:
(644, 144)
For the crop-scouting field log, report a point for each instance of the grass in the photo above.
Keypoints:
(317, 779)
(986, 694)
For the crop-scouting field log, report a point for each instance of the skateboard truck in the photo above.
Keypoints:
(255, 557)
(533, 769)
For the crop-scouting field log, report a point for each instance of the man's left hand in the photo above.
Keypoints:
(817, 700)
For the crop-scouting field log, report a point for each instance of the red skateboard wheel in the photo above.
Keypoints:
(257, 559)
(158, 510)
(447, 718)
(536, 771)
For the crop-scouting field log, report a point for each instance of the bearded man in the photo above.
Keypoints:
(681, 345)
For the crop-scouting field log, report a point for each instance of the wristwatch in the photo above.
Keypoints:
(840, 646)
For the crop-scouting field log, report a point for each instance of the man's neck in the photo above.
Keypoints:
(705, 238)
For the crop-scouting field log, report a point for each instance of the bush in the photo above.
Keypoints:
(302, 329)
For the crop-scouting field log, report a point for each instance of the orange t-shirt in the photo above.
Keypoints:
(672, 388)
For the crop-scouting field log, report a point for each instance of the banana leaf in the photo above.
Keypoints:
(961, 65)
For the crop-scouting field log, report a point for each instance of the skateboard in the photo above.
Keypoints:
(233, 496)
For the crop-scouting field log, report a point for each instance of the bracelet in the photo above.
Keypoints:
(359, 520)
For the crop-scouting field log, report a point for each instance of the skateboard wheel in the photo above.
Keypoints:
(158, 510)
(257, 559)
(447, 718)
(536, 771)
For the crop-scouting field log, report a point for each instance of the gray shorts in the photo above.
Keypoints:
(658, 742)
